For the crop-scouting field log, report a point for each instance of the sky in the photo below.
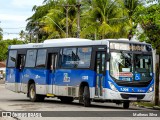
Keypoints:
(13, 15)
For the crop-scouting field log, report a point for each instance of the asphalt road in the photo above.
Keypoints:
(2, 81)
(10, 101)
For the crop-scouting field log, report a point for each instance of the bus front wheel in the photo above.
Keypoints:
(32, 94)
(86, 97)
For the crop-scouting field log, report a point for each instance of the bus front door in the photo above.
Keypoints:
(52, 60)
(100, 66)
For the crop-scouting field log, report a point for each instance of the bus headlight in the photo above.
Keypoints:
(151, 89)
(112, 86)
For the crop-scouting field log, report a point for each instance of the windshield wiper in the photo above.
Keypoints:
(125, 55)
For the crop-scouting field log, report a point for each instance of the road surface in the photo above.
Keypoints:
(10, 101)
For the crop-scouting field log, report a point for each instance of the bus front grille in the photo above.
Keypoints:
(127, 96)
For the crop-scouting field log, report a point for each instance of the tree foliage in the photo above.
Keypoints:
(22, 35)
(105, 19)
(4, 44)
(99, 18)
(149, 19)
(1, 35)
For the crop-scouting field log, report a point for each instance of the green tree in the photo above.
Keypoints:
(53, 17)
(54, 22)
(4, 47)
(34, 20)
(56, 19)
(1, 35)
(106, 19)
(148, 18)
(22, 35)
(130, 7)
(99, 19)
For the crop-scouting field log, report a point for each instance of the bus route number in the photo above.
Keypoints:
(124, 89)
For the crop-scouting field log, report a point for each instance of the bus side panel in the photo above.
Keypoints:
(12, 79)
(39, 76)
(68, 81)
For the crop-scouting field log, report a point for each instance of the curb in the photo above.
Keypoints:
(156, 107)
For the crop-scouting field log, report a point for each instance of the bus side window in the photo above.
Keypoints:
(41, 58)
(12, 58)
(51, 62)
(20, 62)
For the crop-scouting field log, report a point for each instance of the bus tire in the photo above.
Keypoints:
(126, 105)
(32, 93)
(86, 97)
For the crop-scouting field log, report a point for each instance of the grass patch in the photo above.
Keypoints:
(145, 104)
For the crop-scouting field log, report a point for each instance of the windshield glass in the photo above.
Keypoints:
(130, 67)
(143, 67)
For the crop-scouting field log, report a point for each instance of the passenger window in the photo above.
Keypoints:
(68, 57)
(41, 58)
(31, 58)
(12, 58)
(84, 57)
(21, 61)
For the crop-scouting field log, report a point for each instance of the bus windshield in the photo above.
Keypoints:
(130, 66)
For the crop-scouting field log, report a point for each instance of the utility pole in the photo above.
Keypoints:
(30, 37)
(67, 9)
(67, 21)
(37, 38)
(37, 32)
(78, 18)
(157, 72)
(157, 80)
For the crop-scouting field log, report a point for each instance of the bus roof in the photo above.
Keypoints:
(62, 40)
(70, 42)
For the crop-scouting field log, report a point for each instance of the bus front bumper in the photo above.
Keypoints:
(113, 95)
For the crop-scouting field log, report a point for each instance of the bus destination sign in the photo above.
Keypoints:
(129, 47)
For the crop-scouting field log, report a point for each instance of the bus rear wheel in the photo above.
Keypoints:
(86, 97)
(126, 105)
(32, 94)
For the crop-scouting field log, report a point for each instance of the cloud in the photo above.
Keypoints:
(13, 14)
(10, 17)
(26, 3)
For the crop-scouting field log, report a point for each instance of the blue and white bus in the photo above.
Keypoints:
(110, 70)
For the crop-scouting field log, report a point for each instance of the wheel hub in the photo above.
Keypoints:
(32, 93)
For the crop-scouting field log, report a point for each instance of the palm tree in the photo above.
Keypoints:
(22, 34)
(56, 20)
(99, 18)
(34, 20)
(131, 6)
(105, 19)
(53, 21)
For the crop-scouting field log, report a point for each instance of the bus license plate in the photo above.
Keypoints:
(132, 98)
